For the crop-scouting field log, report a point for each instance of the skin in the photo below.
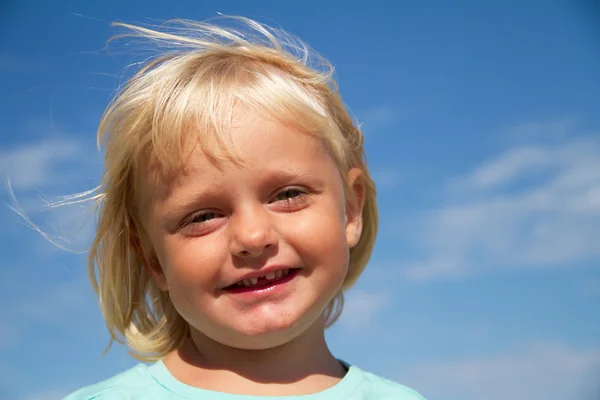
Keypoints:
(282, 203)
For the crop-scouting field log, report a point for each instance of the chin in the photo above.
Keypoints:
(269, 329)
(268, 334)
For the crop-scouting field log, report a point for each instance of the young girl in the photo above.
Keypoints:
(235, 209)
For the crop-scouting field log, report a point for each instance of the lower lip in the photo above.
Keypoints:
(271, 289)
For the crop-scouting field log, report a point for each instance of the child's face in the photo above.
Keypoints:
(281, 211)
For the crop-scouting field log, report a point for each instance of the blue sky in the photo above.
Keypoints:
(483, 134)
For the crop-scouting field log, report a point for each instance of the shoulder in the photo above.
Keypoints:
(380, 388)
(132, 384)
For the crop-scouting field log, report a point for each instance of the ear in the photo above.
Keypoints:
(355, 201)
(149, 262)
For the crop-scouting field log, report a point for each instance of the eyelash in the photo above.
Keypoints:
(299, 194)
(297, 198)
(195, 219)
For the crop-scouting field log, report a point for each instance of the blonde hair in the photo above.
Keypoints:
(202, 71)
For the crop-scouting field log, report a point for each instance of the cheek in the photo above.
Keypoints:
(320, 238)
(192, 268)
(191, 265)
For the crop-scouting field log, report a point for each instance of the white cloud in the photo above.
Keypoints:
(55, 305)
(546, 131)
(6, 374)
(59, 302)
(50, 394)
(577, 156)
(8, 338)
(546, 371)
(45, 164)
(361, 306)
(591, 288)
(59, 305)
(507, 167)
(378, 117)
(57, 166)
(532, 206)
(386, 178)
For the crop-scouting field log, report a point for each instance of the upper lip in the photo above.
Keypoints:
(259, 273)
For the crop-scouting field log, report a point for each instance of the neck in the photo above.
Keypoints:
(302, 366)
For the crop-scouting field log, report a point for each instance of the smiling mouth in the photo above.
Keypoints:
(263, 282)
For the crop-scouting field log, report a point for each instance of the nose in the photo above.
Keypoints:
(252, 233)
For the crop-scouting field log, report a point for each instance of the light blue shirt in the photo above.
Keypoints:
(155, 382)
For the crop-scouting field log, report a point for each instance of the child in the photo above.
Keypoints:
(235, 209)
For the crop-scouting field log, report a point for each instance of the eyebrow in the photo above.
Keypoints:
(178, 205)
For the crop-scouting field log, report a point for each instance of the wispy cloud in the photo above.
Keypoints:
(54, 305)
(8, 337)
(59, 302)
(46, 163)
(547, 371)
(531, 206)
(544, 131)
(6, 374)
(378, 117)
(386, 178)
(591, 288)
(50, 394)
(361, 306)
(62, 306)
(39, 174)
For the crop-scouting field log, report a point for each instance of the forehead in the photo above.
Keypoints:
(251, 142)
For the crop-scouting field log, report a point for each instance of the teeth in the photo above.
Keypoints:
(270, 276)
(248, 282)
